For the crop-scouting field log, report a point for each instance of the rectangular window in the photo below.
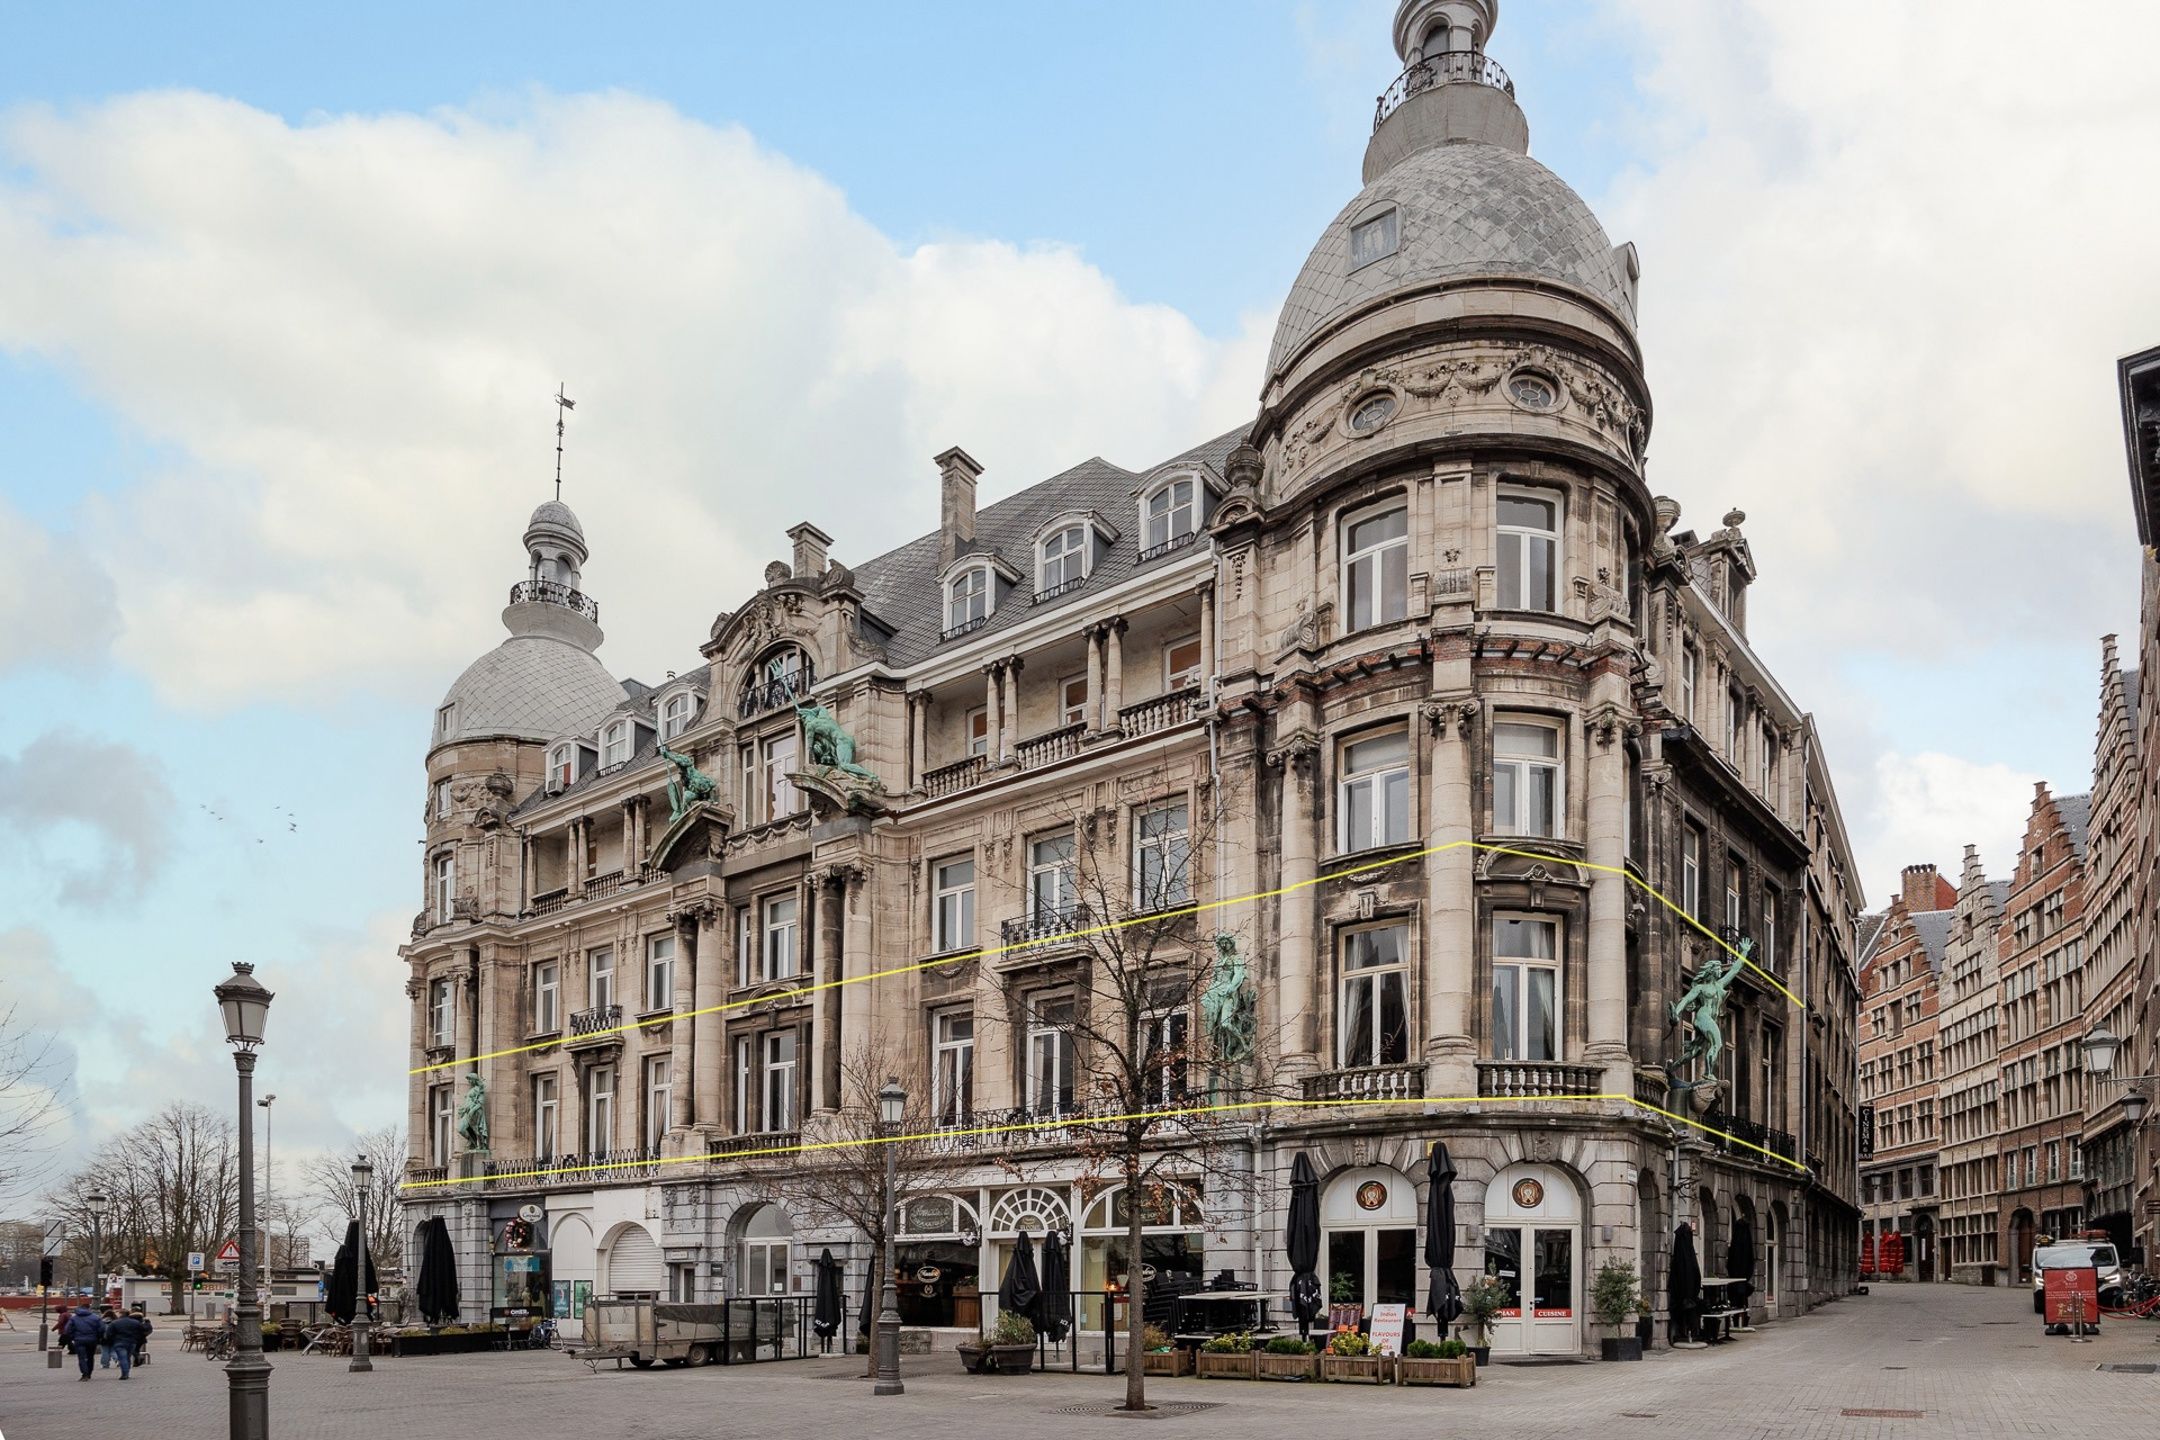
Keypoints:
(439, 1123)
(1373, 1003)
(562, 767)
(1529, 558)
(1529, 797)
(1374, 239)
(442, 800)
(1735, 707)
(615, 744)
(1050, 879)
(1073, 700)
(952, 917)
(1691, 863)
(952, 1058)
(1050, 1059)
(442, 1013)
(600, 1110)
(778, 1088)
(1372, 797)
(1376, 568)
(1526, 989)
(1768, 761)
(599, 979)
(659, 1088)
(660, 972)
(445, 886)
(745, 1084)
(1690, 679)
(1735, 887)
(681, 1283)
(1162, 857)
(1167, 1057)
(547, 997)
(1181, 664)
(778, 950)
(746, 948)
(978, 731)
(444, 719)
(675, 715)
(546, 1104)
(780, 797)
(1766, 942)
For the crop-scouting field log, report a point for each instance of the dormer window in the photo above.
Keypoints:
(1169, 517)
(967, 601)
(784, 676)
(675, 714)
(444, 719)
(1061, 561)
(1375, 239)
(615, 744)
(562, 767)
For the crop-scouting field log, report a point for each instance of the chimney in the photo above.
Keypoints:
(810, 547)
(956, 503)
(1924, 889)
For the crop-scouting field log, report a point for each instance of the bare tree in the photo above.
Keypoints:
(172, 1185)
(330, 1188)
(1165, 1069)
(29, 1108)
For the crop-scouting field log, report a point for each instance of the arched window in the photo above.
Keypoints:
(615, 744)
(1062, 561)
(1169, 517)
(783, 676)
(562, 767)
(967, 601)
(675, 714)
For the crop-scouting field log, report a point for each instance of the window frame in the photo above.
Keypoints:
(1524, 964)
(1690, 678)
(547, 997)
(442, 1012)
(441, 1135)
(445, 885)
(1389, 216)
(547, 1114)
(1076, 547)
(952, 1096)
(778, 1077)
(615, 744)
(562, 767)
(964, 591)
(599, 1137)
(977, 720)
(782, 936)
(1048, 1039)
(656, 1097)
(659, 972)
(1694, 842)
(1372, 560)
(1166, 1054)
(1189, 677)
(1166, 520)
(959, 933)
(442, 800)
(1521, 767)
(1523, 536)
(1349, 780)
(1178, 877)
(1067, 867)
(595, 973)
(672, 724)
(1071, 711)
(1374, 978)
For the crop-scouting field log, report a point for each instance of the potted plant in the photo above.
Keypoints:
(1436, 1362)
(1158, 1356)
(1287, 1358)
(1615, 1295)
(1009, 1348)
(1225, 1357)
(1483, 1299)
(1350, 1357)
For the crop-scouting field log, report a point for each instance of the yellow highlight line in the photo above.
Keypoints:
(1151, 918)
(1226, 1108)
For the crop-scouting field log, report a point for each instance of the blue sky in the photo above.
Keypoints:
(185, 448)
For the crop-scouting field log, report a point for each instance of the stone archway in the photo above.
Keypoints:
(1369, 1237)
(1534, 1245)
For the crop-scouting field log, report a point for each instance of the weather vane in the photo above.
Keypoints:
(563, 406)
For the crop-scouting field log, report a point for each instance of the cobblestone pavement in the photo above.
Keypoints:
(1974, 1362)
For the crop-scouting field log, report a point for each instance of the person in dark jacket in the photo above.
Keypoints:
(124, 1336)
(142, 1346)
(81, 1334)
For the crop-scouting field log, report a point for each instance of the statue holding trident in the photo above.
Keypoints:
(472, 1121)
(829, 746)
(687, 786)
(1700, 1007)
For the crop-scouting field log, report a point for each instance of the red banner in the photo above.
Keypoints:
(2072, 1295)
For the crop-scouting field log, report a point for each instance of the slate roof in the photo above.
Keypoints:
(2076, 812)
(530, 687)
(1865, 934)
(1933, 928)
(640, 700)
(1464, 209)
(900, 588)
(2130, 691)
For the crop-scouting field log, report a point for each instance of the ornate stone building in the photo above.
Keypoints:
(1968, 1103)
(1422, 621)
(2113, 933)
(1901, 998)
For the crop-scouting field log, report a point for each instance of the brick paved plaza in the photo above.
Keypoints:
(1974, 1361)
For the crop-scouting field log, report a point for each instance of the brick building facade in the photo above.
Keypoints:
(1900, 1000)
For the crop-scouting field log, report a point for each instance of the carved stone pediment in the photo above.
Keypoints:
(698, 835)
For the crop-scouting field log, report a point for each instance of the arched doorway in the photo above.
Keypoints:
(630, 1263)
(1774, 1241)
(764, 1250)
(1369, 1235)
(1533, 1245)
(571, 1263)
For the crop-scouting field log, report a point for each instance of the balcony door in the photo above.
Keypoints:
(1533, 1247)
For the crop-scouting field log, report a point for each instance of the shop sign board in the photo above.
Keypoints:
(1387, 1328)
(2072, 1294)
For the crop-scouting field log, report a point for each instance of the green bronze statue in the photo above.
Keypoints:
(1700, 1007)
(829, 746)
(687, 786)
(1226, 1008)
(472, 1122)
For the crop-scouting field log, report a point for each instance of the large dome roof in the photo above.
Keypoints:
(1465, 209)
(530, 687)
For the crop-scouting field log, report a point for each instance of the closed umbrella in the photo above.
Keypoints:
(1740, 1261)
(826, 1312)
(1445, 1300)
(1056, 1304)
(1021, 1290)
(436, 1288)
(1683, 1291)
(1301, 1244)
(345, 1289)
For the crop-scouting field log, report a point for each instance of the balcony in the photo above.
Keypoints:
(952, 779)
(760, 696)
(548, 592)
(1453, 67)
(1044, 927)
(1370, 1082)
(1050, 747)
(1534, 1079)
(1063, 587)
(1740, 1136)
(418, 1174)
(965, 627)
(1162, 712)
(1169, 547)
(998, 1131)
(754, 1145)
(597, 1167)
(602, 886)
(599, 1025)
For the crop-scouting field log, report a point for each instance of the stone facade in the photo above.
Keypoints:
(2139, 379)
(1901, 998)
(1968, 1104)
(1414, 688)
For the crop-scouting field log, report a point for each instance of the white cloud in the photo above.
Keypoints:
(59, 600)
(94, 814)
(350, 328)
(1924, 809)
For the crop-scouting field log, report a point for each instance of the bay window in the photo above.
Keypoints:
(1373, 1005)
(1526, 992)
(1372, 794)
(1529, 552)
(1376, 568)
(1529, 796)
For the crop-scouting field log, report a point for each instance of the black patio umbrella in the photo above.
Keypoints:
(1301, 1244)
(1683, 1290)
(1021, 1289)
(825, 1313)
(436, 1288)
(1740, 1260)
(343, 1293)
(1445, 1300)
(1056, 1303)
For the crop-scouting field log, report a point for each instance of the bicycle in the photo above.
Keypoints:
(544, 1336)
(219, 1346)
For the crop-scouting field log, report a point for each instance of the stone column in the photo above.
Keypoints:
(416, 1086)
(1010, 729)
(1295, 755)
(1207, 638)
(526, 860)
(1451, 963)
(715, 942)
(1606, 987)
(918, 737)
(994, 710)
(1094, 682)
(680, 1110)
(1114, 673)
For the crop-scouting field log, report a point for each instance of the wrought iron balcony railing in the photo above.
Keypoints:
(599, 1022)
(1063, 587)
(1453, 67)
(1170, 546)
(965, 627)
(549, 592)
(1044, 926)
(760, 696)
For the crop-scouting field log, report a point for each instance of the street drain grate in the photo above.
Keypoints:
(1884, 1414)
(1638, 1414)
(1897, 1367)
(2139, 1369)
(1161, 1410)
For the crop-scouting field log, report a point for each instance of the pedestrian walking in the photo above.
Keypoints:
(80, 1333)
(142, 1346)
(125, 1337)
(105, 1343)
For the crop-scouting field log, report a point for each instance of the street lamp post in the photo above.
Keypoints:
(96, 1203)
(362, 1174)
(245, 1005)
(892, 1105)
(270, 1185)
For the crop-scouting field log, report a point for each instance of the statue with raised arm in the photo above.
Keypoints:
(472, 1124)
(687, 786)
(830, 747)
(1226, 1007)
(1700, 1007)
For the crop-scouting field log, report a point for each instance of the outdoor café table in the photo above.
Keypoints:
(1719, 1314)
(1186, 1322)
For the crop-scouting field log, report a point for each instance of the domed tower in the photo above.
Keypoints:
(491, 730)
(1442, 502)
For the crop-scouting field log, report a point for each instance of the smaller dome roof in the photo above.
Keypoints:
(530, 687)
(555, 513)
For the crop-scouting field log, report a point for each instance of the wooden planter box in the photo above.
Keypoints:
(1209, 1366)
(997, 1359)
(1174, 1361)
(1285, 1367)
(1435, 1371)
(1355, 1369)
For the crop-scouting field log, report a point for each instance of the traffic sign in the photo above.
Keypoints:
(230, 1250)
(194, 1261)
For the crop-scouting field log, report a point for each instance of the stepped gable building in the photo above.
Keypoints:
(2113, 935)
(1422, 619)
(1901, 998)
(2045, 982)
(1968, 1105)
